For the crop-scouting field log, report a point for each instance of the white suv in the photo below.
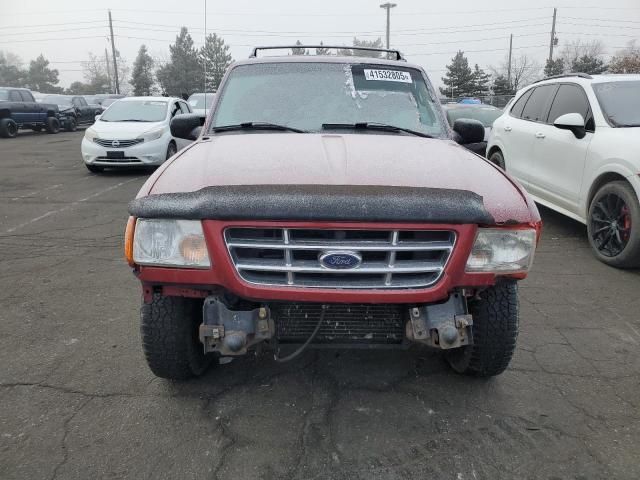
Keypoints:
(573, 141)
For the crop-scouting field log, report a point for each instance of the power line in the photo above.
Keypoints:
(65, 30)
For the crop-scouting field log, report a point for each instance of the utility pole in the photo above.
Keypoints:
(553, 35)
(106, 57)
(509, 66)
(388, 6)
(113, 54)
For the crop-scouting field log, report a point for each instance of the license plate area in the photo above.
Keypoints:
(115, 154)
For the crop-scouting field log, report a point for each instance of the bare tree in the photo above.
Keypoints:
(524, 70)
(573, 51)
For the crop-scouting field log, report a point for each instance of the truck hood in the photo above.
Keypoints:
(333, 159)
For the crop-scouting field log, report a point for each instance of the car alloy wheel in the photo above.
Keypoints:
(610, 225)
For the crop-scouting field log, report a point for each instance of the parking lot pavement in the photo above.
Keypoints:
(77, 400)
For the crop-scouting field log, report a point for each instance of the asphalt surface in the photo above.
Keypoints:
(77, 400)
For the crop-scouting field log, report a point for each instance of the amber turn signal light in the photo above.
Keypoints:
(128, 240)
(193, 248)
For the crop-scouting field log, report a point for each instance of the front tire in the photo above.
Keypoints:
(52, 125)
(8, 128)
(495, 330)
(169, 329)
(172, 149)
(614, 225)
(71, 125)
(498, 159)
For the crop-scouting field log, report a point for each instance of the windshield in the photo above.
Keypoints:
(4, 94)
(307, 95)
(136, 111)
(485, 115)
(197, 100)
(57, 99)
(620, 102)
(108, 101)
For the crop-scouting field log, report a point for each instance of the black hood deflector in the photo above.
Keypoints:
(341, 203)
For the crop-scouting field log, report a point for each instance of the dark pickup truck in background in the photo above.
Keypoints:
(18, 109)
(74, 110)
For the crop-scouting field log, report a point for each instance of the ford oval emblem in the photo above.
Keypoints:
(340, 259)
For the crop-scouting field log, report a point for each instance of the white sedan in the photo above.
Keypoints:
(133, 132)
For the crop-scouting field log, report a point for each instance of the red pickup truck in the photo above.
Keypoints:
(326, 202)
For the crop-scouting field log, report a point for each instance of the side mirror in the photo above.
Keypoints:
(573, 122)
(468, 130)
(97, 117)
(186, 126)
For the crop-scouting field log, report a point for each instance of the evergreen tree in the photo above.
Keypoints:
(501, 86)
(299, 51)
(142, 76)
(41, 78)
(480, 81)
(377, 43)
(183, 74)
(11, 75)
(322, 50)
(554, 67)
(588, 64)
(216, 59)
(459, 80)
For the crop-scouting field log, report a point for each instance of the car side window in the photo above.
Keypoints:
(517, 108)
(571, 99)
(76, 102)
(26, 96)
(535, 109)
(82, 102)
(14, 96)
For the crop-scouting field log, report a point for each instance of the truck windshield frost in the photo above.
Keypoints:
(307, 96)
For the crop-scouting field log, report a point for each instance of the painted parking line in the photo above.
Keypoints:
(71, 205)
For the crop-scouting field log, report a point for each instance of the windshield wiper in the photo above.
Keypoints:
(257, 126)
(383, 127)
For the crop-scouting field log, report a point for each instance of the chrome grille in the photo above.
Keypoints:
(290, 256)
(103, 142)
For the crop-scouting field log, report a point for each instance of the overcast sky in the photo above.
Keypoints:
(428, 34)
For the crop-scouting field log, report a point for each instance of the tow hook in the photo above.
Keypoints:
(444, 325)
(232, 332)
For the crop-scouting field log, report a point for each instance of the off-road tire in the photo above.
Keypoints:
(52, 125)
(169, 330)
(71, 125)
(94, 168)
(8, 128)
(498, 159)
(629, 257)
(495, 330)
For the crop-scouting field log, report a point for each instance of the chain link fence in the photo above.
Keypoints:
(496, 100)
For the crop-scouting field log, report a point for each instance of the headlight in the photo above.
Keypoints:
(502, 251)
(170, 243)
(153, 134)
(90, 134)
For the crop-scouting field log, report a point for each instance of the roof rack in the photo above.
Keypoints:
(564, 75)
(398, 55)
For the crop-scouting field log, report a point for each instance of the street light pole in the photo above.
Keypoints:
(388, 6)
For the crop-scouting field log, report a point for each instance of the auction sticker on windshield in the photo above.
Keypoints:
(387, 75)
